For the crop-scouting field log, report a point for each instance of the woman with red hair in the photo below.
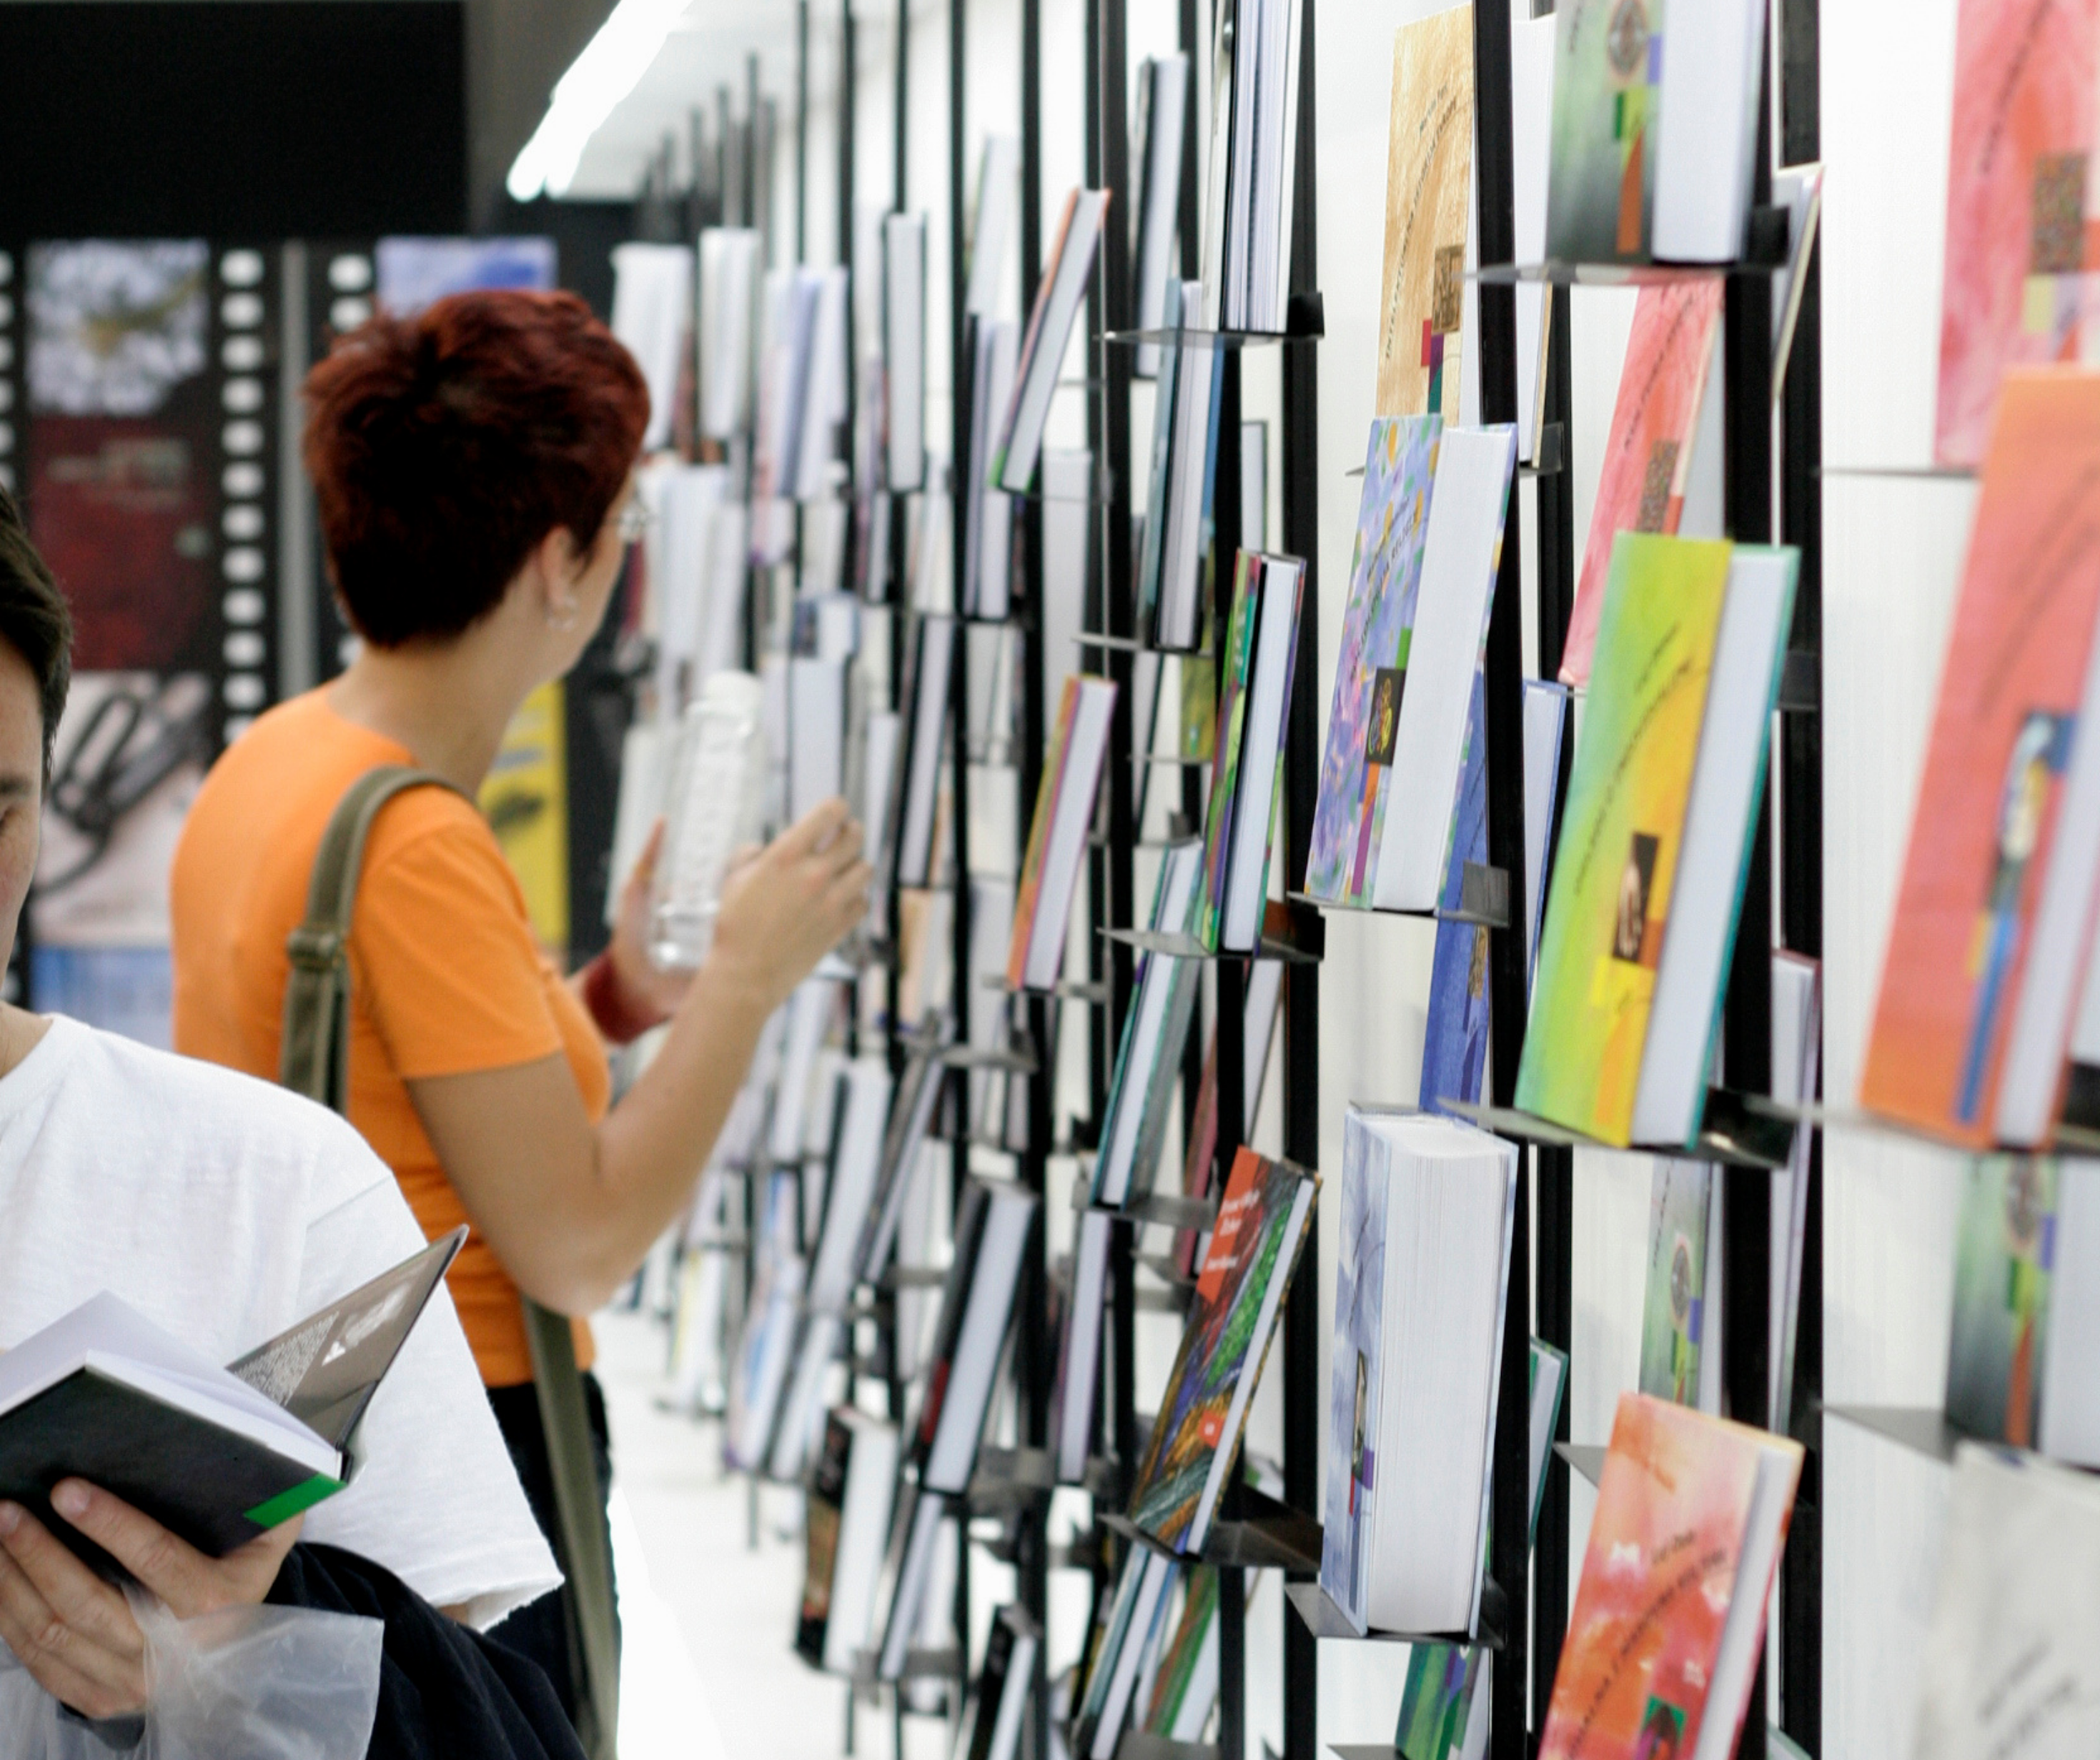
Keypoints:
(474, 469)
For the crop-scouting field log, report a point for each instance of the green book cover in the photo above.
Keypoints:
(2004, 1256)
(1607, 79)
(1621, 832)
(1179, 1667)
(1236, 671)
(1672, 1317)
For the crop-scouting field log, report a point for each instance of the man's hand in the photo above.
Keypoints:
(73, 1632)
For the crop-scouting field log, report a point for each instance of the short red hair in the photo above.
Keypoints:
(444, 447)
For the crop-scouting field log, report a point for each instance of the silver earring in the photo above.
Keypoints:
(562, 617)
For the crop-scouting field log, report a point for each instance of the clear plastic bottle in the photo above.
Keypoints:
(717, 784)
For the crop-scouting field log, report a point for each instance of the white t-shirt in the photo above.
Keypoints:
(224, 1209)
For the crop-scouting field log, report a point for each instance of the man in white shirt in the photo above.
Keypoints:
(224, 1209)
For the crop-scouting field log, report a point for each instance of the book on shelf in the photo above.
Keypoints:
(991, 222)
(1422, 1269)
(1058, 832)
(765, 1346)
(1993, 921)
(1669, 1619)
(1262, 1223)
(1185, 1686)
(908, 1573)
(1178, 507)
(992, 1730)
(845, 1524)
(652, 316)
(992, 1229)
(1428, 177)
(1254, 147)
(729, 295)
(1066, 267)
(811, 1009)
(1448, 1684)
(1260, 1008)
(1146, 673)
(1656, 839)
(1258, 664)
(1385, 573)
(1546, 719)
(918, 1091)
(1163, 111)
(1129, 1629)
(987, 1011)
(2011, 1660)
(1797, 1045)
(787, 331)
(930, 557)
(824, 390)
(816, 732)
(2019, 1361)
(988, 512)
(1147, 1062)
(904, 350)
(216, 1455)
(1454, 1035)
(2019, 255)
(1075, 1393)
(1654, 131)
(693, 590)
(1680, 1340)
(1669, 368)
(1461, 548)
(932, 645)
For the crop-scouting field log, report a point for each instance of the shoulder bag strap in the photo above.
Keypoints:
(313, 1060)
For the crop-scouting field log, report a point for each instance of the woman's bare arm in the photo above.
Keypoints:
(572, 1209)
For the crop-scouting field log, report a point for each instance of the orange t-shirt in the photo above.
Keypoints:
(445, 976)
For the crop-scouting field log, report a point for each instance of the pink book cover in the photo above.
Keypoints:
(2022, 239)
(1648, 456)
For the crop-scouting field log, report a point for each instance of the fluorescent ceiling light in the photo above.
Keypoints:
(607, 70)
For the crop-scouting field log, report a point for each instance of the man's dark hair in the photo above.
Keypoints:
(34, 621)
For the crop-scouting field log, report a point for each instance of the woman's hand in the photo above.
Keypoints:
(646, 987)
(788, 905)
(73, 1632)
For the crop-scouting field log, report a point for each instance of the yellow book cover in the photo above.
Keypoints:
(1429, 175)
(1621, 832)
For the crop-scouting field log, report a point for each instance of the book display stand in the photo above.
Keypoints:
(1771, 489)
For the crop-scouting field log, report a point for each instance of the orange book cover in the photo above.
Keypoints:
(1647, 456)
(1039, 835)
(1657, 1582)
(2001, 735)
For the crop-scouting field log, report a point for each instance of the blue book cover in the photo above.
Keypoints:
(1454, 1046)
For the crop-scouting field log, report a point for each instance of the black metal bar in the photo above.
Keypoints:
(801, 128)
(1495, 186)
(901, 121)
(1300, 470)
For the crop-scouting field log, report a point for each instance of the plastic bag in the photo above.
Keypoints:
(243, 1683)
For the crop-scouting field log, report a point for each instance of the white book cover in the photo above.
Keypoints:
(904, 348)
(1163, 89)
(1706, 129)
(2011, 1665)
(863, 1527)
(652, 314)
(1268, 700)
(1460, 551)
(999, 181)
(1049, 332)
(729, 286)
(1072, 818)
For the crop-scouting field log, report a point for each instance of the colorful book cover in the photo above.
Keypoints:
(1657, 1582)
(1254, 1248)
(1621, 832)
(1039, 833)
(1198, 675)
(1987, 806)
(1400, 464)
(1236, 672)
(1647, 457)
(1353, 1410)
(1429, 176)
(2022, 246)
(1184, 1658)
(1673, 1320)
(1454, 1042)
(1607, 80)
(2003, 1258)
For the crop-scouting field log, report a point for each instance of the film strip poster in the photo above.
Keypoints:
(527, 794)
(147, 466)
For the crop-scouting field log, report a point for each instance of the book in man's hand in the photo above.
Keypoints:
(216, 1456)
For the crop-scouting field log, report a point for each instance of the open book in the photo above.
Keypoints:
(214, 1455)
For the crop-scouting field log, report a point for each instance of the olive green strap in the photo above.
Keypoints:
(313, 1060)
